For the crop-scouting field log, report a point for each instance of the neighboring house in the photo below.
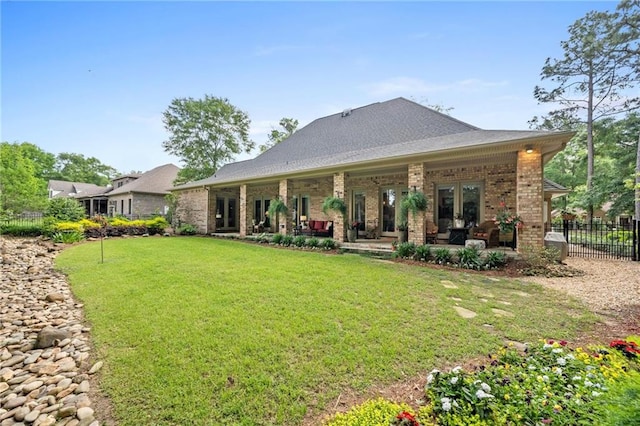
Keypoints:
(92, 197)
(370, 156)
(138, 195)
(551, 190)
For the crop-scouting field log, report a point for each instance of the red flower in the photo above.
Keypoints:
(407, 418)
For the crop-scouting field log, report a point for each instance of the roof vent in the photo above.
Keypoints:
(346, 112)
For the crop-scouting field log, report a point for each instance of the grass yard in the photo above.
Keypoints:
(202, 331)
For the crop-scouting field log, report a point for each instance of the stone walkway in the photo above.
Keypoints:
(44, 345)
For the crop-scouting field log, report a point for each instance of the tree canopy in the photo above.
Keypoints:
(289, 125)
(205, 133)
(20, 189)
(25, 170)
(616, 144)
(593, 79)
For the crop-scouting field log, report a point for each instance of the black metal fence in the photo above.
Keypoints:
(22, 219)
(599, 239)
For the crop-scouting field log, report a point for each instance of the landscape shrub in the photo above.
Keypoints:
(405, 250)
(313, 242)
(547, 384)
(187, 229)
(299, 241)
(442, 256)
(263, 239)
(329, 244)
(277, 239)
(67, 237)
(423, 253)
(64, 209)
(287, 240)
(619, 236)
(469, 258)
(495, 260)
(18, 230)
(157, 225)
(371, 413)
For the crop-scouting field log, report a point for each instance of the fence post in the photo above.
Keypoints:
(636, 239)
(565, 229)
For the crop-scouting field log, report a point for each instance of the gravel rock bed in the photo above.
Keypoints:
(44, 345)
(608, 287)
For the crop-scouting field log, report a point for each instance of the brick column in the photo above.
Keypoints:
(244, 219)
(530, 199)
(285, 192)
(339, 190)
(417, 178)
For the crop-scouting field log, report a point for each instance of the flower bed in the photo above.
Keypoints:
(547, 384)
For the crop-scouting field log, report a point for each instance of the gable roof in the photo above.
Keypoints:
(74, 189)
(155, 181)
(383, 130)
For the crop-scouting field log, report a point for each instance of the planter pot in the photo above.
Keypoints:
(458, 223)
(403, 236)
(352, 235)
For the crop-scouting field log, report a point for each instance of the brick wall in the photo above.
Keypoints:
(529, 203)
(192, 208)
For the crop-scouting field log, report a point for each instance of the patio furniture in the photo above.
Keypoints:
(458, 236)
(319, 228)
(431, 232)
(487, 231)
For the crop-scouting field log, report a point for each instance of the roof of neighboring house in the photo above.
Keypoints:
(553, 188)
(155, 181)
(75, 189)
(383, 130)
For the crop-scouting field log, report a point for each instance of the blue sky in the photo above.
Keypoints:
(94, 77)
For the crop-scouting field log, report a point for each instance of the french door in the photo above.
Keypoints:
(391, 197)
(464, 198)
(226, 213)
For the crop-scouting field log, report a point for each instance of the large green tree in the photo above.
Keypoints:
(592, 80)
(77, 168)
(44, 162)
(289, 126)
(20, 189)
(205, 133)
(615, 147)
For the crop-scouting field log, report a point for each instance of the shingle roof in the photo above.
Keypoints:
(68, 189)
(155, 181)
(551, 186)
(394, 128)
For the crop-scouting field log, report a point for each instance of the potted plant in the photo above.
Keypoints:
(403, 231)
(458, 220)
(277, 208)
(352, 231)
(336, 205)
(413, 202)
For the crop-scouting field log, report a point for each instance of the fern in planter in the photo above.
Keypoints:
(413, 202)
(334, 204)
(277, 208)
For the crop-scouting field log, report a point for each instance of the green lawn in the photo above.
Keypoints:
(202, 331)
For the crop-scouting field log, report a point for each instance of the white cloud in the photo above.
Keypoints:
(416, 86)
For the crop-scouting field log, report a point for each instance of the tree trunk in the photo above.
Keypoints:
(590, 150)
(638, 181)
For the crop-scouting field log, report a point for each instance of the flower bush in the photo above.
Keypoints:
(506, 220)
(547, 384)
(376, 412)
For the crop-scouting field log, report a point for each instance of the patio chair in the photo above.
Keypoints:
(431, 231)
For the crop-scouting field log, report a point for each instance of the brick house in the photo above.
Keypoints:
(372, 155)
(138, 195)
